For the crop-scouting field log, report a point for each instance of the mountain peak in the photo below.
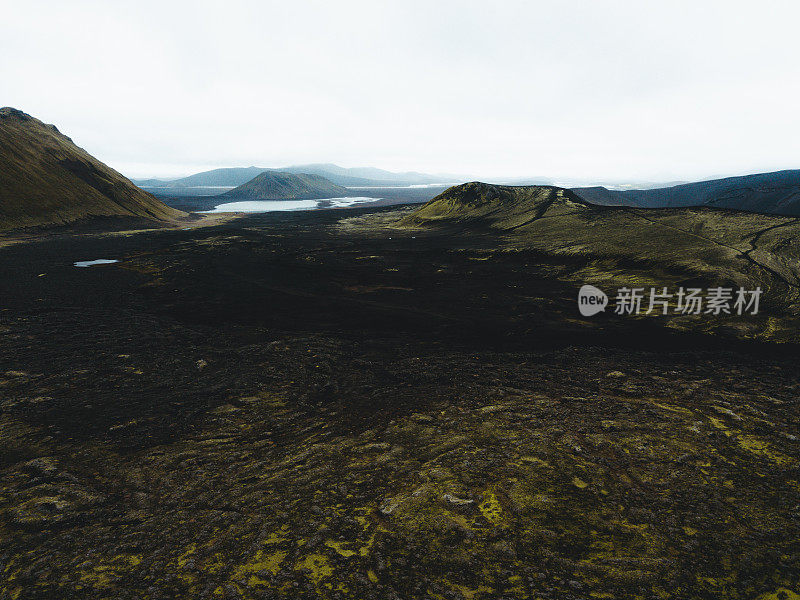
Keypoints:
(278, 185)
(10, 112)
(496, 206)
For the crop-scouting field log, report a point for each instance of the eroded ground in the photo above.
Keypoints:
(275, 408)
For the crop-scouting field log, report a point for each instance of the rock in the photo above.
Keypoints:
(457, 501)
(45, 505)
(575, 585)
(726, 411)
(43, 466)
(389, 505)
(421, 418)
(374, 447)
(615, 374)
(439, 474)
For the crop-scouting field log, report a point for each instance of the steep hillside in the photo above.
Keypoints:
(275, 185)
(770, 193)
(45, 179)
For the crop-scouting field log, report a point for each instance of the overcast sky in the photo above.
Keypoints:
(633, 90)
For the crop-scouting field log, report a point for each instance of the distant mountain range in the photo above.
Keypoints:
(45, 179)
(230, 177)
(770, 193)
(276, 185)
(348, 177)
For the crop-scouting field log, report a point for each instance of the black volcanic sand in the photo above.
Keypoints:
(276, 408)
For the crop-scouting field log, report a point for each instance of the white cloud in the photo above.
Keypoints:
(612, 89)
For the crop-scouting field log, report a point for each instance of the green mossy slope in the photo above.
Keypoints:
(45, 179)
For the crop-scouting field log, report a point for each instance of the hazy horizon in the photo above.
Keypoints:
(612, 91)
(464, 177)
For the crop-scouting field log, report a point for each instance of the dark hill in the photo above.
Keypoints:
(496, 206)
(45, 179)
(276, 185)
(769, 193)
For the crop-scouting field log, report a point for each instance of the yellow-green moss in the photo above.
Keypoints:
(579, 483)
(317, 565)
(761, 447)
(102, 574)
(263, 560)
(490, 508)
(780, 594)
(339, 548)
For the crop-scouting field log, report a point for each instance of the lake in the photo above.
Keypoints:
(281, 205)
(98, 261)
